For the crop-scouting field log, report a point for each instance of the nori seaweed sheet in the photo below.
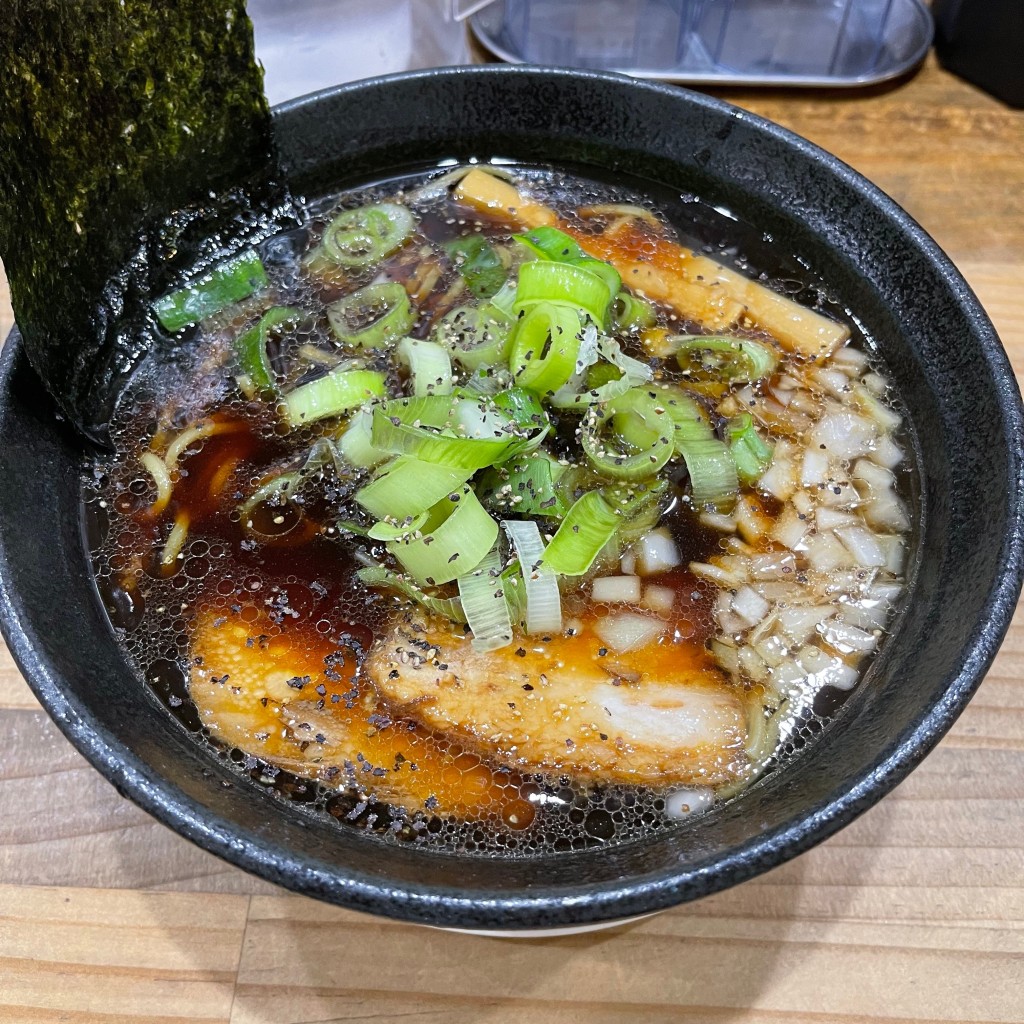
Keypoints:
(135, 149)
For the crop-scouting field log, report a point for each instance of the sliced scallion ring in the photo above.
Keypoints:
(356, 445)
(364, 236)
(545, 344)
(714, 358)
(430, 369)
(454, 537)
(749, 450)
(482, 597)
(543, 601)
(407, 487)
(566, 285)
(474, 337)
(332, 395)
(251, 348)
(630, 314)
(588, 526)
(427, 429)
(712, 469)
(641, 439)
(372, 317)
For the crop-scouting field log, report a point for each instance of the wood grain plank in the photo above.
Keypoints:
(753, 948)
(162, 956)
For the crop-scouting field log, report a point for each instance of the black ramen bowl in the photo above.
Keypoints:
(941, 352)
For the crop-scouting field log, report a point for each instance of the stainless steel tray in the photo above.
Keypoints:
(733, 42)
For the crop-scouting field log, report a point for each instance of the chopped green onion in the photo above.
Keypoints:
(565, 285)
(750, 452)
(426, 428)
(230, 282)
(364, 236)
(642, 438)
(430, 369)
(712, 469)
(332, 395)
(605, 381)
(543, 601)
(372, 317)
(522, 407)
(455, 536)
(483, 601)
(526, 486)
(503, 303)
(408, 487)
(398, 528)
(709, 462)
(251, 348)
(630, 314)
(545, 343)
(378, 576)
(587, 527)
(473, 337)
(355, 444)
(549, 243)
(704, 358)
(478, 264)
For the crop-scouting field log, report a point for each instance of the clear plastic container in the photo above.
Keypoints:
(784, 41)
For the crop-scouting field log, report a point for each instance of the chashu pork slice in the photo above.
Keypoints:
(293, 699)
(662, 715)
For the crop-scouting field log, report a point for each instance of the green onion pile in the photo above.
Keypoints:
(527, 445)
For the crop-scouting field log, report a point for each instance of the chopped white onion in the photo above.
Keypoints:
(847, 639)
(790, 529)
(862, 544)
(867, 401)
(850, 359)
(714, 574)
(628, 631)
(799, 623)
(824, 670)
(895, 553)
(657, 552)
(886, 452)
(779, 480)
(616, 589)
(725, 656)
(773, 651)
(833, 381)
(750, 522)
(814, 469)
(876, 384)
(887, 512)
(681, 803)
(825, 553)
(839, 494)
(659, 599)
(844, 434)
(751, 665)
(774, 566)
(749, 606)
(832, 519)
(717, 521)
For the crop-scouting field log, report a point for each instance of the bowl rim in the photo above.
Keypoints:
(261, 856)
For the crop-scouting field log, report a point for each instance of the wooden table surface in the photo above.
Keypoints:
(914, 912)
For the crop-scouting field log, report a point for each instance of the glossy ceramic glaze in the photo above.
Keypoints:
(941, 351)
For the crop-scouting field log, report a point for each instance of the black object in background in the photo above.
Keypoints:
(983, 41)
